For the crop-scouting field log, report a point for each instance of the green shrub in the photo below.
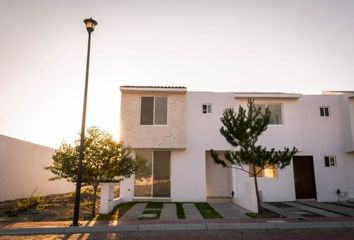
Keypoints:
(31, 203)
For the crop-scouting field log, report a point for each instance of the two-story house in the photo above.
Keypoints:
(171, 131)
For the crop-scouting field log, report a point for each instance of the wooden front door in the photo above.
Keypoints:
(304, 176)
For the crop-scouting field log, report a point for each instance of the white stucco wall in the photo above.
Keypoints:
(202, 131)
(282, 135)
(324, 136)
(302, 127)
(167, 136)
(22, 170)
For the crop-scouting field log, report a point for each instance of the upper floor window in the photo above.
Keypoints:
(206, 108)
(330, 161)
(153, 111)
(324, 111)
(275, 112)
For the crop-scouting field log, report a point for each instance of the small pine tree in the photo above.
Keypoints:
(242, 130)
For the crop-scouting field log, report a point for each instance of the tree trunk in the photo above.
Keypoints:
(257, 192)
(94, 201)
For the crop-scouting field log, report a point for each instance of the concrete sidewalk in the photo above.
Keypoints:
(202, 225)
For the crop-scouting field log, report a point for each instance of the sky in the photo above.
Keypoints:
(298, 46)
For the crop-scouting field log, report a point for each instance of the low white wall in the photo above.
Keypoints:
(127, 189)
(107, 201)
(22, 170)
(244, 189)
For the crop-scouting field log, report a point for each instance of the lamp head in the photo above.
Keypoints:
(90, 24)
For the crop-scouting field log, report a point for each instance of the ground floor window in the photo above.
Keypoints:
(269, 172)
(152, 178)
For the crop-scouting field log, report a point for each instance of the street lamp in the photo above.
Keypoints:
(90, 26)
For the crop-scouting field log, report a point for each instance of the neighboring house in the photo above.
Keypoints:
(22, 170)
(172, 130)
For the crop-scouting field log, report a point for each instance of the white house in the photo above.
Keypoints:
(171, 131)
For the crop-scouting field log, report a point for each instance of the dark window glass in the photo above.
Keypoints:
(205, 108)
(162, 184)
(160, 110)
(147, 111)
(326, 111)
(275, 114)
(326, 160)
(143, 174)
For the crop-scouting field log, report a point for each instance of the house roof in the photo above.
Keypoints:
(266, 95)
(349, 94)
(176, 89)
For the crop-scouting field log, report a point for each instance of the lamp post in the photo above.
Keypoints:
(90, 26)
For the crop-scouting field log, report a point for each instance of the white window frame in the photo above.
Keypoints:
(325, 107)
(332, 163)
(281, 111)
(153, 120)
(209, 106)
(152, 177)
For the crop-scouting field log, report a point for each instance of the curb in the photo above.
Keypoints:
(176, 227)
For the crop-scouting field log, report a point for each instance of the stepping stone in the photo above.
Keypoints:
(346, 204)
(191, 211)
(281, 211)
(229, 210)
(148, 215)
(153, 209)
(134, 212)
(312, 209)
(168, 212)
(329, 207)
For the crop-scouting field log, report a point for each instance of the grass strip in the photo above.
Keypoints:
(254, 215)
(154, 205)
(180, 211)
(117, 212)
(207, 211)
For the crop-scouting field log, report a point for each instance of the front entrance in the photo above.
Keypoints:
(218, 179)
(304, 177)
(152, 178)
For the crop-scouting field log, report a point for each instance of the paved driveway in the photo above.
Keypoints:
(310, 208)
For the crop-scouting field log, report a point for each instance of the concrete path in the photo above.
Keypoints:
(191, 212)
(313, 210)
(329, 207)
(168, 212)
(285, 212)
(134, 212)
(230, 210)
(205, 226)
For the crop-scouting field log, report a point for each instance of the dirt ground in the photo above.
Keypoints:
(56, 207)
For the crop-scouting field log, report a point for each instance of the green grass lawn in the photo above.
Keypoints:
(154, 205)
(117, 212)
(180, 211)
(207, 211)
